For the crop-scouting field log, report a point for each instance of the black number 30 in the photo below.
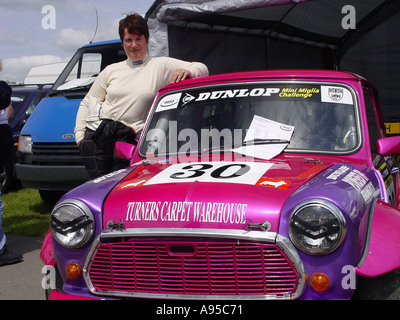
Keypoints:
(197, 170)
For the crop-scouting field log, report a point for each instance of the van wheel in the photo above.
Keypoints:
(50, 196)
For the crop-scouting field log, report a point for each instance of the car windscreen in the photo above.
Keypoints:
(322, 118)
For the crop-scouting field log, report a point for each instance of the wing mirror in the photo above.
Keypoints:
(124, 150)
(389, 146)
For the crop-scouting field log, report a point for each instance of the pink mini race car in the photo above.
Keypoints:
(258, 185)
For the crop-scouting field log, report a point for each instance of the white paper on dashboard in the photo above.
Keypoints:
(263, 128)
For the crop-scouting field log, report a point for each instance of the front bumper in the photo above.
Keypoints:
(60, 178)
(57, 295)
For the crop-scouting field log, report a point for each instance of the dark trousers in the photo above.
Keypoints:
(97, 148)
(6, 143)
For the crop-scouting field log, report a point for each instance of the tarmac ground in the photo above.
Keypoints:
(23, 280)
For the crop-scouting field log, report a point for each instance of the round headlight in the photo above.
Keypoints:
(317, 227)
(72, 223)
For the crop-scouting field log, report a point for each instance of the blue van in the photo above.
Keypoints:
(48, 157)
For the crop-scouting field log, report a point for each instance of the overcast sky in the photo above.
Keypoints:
(37, 32)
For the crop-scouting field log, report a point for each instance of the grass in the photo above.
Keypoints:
(25, 213)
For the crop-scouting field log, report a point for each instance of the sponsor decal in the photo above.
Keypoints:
(183, 211)
(292, 92)
(338, 172)
(330, 94)
(109, 175)
(389, 183)
(230, 172)
(356, 179)
(279, 92)
(237, 93)
(305, 175)
(360, 182)
(313, 170)
(169, 102)
(274, 183)
(298, 92)
(187, 98)
(336, 95)
(133, 183)
(387, 176)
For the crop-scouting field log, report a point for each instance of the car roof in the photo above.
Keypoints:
(287, 74)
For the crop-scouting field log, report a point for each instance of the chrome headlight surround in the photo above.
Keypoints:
(317, 227)
(72, 224)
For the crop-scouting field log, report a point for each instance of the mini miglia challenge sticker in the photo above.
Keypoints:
(230, 172)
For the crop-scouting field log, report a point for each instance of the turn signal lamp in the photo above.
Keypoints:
(320, 282)
(73, 271)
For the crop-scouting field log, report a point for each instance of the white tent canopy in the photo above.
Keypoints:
(44, 74)
(360, 36)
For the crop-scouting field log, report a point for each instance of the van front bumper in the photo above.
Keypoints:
(57, 178)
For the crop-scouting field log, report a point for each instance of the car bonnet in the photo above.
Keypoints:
(151, 196)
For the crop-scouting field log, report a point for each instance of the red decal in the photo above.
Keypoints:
(273, 183)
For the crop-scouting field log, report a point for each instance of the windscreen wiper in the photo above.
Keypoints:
(213, 149)
(74, 89)
(254, 142)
